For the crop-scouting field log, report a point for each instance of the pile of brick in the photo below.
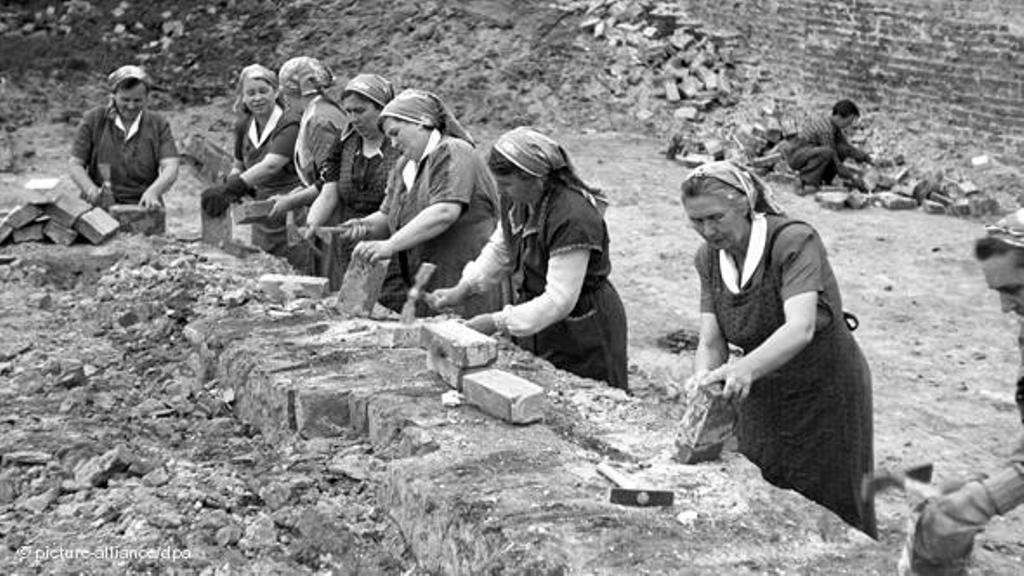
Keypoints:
(693, 68)
(896, 190)
(756, 144)
(59, 220)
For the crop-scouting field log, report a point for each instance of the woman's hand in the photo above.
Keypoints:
(737, 380)
(282, 205)
(373, 250)
(354, 230)
(445, 297)
(483, 323)
(151, 200)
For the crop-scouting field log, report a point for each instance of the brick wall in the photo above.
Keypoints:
(961, 62)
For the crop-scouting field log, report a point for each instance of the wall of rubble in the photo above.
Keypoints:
(956, 60)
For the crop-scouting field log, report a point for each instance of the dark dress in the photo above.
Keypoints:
(591, 341)
(451, 173)
(272, 237)
(808, 425)
(362, 183)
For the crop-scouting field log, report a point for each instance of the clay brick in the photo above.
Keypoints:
(686, 113)
(505, 396)
(671, 90)
(321, 411)
(690, 86)
(465, 347)
(135, 219)
(694, 160)
(288, 287)
(5, 232)
(933, 207)
(893, 201)
(401, 335)
(705, 427)
(715, 149)
(360, 288)
(31, 233)
(450, 373)
(22, 216)
(66, 210)
(832, 200)
(255, 211)
(96, 225)
(59, 233)
(216, 231)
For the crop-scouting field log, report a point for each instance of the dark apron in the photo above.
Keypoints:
(591, 341)
(808, 425)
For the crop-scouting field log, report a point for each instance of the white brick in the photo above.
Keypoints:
(504, 396)
(463, 346)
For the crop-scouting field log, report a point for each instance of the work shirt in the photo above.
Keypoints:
(134, 161)
(277, 137)
(821, 131)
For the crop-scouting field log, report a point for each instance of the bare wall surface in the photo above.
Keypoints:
(959, 61)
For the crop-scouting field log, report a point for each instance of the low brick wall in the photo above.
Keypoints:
(958, 62)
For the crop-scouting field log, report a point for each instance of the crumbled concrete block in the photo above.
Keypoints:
(216, 231)
(250, 212)
(67, 209)
(505, 396)
(59, 233)
(31, 233)
(465, 347)
(97, 225)
(832, 200)
(135, 219)
(360, 288)
(705, 427)
(22, 216)
(289, 287)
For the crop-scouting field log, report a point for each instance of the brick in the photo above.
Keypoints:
(289, 287)
(59, 233)
(465, 347)
(5, 232)
(135, 219)
(321, 411)
(96, 225)
(31, 233)
(694, 160)
(505, 396)
(893, 201)
(360, 288)
(216, 231)
(857, 200)
(933, 207)
(401, 335)
(255, 211)
(705, 427)
(967, 188)
(715, 149)
(686, 113)
(690, 86)
(22, 216)
(450, 373)
(66, 210)
(671, 90)
(832, 200)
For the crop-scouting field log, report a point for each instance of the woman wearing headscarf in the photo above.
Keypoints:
(441, 205)
(553, 242)
(123, 152)
(355, 174)
(265, 136)
(802, 383)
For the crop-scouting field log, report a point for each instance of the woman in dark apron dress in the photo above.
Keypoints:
(553, 243)
(803, 385)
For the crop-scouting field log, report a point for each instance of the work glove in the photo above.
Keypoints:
(215, 201)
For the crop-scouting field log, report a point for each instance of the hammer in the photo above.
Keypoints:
(915, 480)
(626, 492)
(423, 274)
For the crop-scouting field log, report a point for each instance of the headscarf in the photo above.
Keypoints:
(374, 88)
(126, 73)
(426, 109)
(253, 72)
(759, 194)
(305, 76)
(540, 156)
(1009, 230)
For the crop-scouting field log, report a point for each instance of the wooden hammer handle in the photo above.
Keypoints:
(618, 478)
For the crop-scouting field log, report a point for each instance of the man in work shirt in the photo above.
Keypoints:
(821, 147)
(943, 535)
(122, 152)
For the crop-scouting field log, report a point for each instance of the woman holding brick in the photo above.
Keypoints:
(265, 136)
(553, 243)
(441, 205)
(802, 384)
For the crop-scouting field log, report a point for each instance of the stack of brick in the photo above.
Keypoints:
(462, 357)
(59, 220)
(692, 68)
(756, 144)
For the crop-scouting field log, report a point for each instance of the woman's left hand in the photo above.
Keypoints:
(737, 382)
(282, 205)
(373, 250)
(483, 323)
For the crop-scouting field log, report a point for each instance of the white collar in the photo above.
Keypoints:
(411, 168)
(755, 251)
(255, 136)
(131, 130)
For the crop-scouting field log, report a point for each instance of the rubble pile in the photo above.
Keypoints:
(692, 68)
(58, 220)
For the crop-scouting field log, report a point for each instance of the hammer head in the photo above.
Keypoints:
(641, 498)
(881, 480)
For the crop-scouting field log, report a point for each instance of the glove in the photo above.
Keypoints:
(215, 201)
(236, 188)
